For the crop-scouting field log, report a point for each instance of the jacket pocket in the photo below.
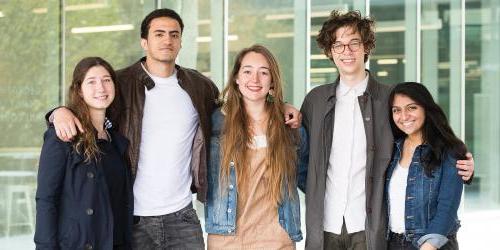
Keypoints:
(68, 233)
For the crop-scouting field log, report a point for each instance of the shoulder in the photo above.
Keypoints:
(52, 144)
(320, 94)
(195, 75)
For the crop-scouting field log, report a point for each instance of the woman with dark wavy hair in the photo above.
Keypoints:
(84, 198)
(423, 189)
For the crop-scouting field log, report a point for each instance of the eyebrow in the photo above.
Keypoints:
(354, 39)
(93, 77)
(249, 66)
(413, 103)
(170, 32)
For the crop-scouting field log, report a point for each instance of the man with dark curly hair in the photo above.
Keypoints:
(350, 141)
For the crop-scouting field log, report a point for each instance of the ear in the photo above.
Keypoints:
(144, 44)
(237, 82)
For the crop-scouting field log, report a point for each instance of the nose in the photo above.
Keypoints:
(254, 77)
(404, 115)
(99, 86)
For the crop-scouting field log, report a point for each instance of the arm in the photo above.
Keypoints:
(466, 168)
(303, 159)
(293, 117)
(448, 201)
(50, 180)
(65, 123)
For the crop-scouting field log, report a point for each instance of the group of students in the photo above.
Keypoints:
(379, 165)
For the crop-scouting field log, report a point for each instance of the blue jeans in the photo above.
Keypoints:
(178, 230)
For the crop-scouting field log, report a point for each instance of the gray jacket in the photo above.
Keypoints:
(318, 112)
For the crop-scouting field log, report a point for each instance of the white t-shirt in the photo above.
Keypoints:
(169, 123)
(397, 199)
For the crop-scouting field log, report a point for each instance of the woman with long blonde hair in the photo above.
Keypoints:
(252, 197)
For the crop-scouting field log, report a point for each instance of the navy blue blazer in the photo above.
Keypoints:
(72, 199)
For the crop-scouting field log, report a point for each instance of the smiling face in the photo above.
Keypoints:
(163, 41)
(97, 89)
(408, 116)
(350, 63)
(254, 78)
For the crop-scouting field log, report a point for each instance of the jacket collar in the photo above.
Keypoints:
(372, 88)
(144, 77)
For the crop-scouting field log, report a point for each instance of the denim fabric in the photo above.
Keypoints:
(179, 230)
(220, 208)
(431, 202)
(399, 242)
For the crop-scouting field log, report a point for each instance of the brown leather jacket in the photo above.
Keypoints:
(132, 82)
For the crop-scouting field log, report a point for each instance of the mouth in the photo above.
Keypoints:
(347, 60)
(254, 88)
(102, 97)
(407, 124)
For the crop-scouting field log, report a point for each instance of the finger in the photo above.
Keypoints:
(468, 155)
(79, 125)
(72, 129)
(59, 135)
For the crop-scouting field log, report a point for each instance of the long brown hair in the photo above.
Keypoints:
(281, 155)
(85, 143)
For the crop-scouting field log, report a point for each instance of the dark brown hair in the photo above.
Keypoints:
(85, 143)
(352, 19)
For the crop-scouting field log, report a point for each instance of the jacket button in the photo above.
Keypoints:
(90, 175)
(90, 211)
(231, 164)
(367, 119)
(229, 210)
(89, 246)
(231, 186)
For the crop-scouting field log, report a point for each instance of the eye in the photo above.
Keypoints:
(395, 110)
(159, 35)
(412, 108)
(264, 73)
(175, 35)
(246, 72)
(108, 80)
(91, 82)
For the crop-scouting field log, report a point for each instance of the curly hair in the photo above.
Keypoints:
(353, 19)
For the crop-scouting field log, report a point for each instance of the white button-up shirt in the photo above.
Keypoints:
(345, 184)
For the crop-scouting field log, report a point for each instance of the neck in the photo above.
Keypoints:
(97, 117)
(353, 79)
(160, 69)
(256, 111)
(415, 138)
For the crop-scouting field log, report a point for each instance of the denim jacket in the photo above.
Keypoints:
(220, 211)
(431, 202)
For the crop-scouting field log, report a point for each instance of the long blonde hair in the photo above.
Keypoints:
(281, 155)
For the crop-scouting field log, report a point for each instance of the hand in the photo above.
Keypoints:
(65, 123)
(427, 246)
(293, 117)
(466, 167)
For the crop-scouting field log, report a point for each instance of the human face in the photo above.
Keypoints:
(98, 89)
(164, 40)
(254, 78)
(408, 116)
(350, 63)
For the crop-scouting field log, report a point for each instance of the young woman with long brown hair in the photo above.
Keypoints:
(252, 199)
(84, 197)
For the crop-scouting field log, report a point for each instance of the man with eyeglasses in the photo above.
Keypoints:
(350, 141)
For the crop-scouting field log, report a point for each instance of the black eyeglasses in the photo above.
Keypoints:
(340, 48)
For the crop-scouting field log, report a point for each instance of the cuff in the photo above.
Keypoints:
(436, 240)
